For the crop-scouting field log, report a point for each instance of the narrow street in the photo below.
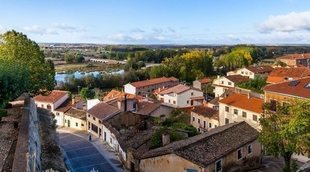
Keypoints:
(84, 156)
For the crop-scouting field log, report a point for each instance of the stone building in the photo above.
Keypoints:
(233, 146)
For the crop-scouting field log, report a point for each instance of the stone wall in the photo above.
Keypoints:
(28, 149)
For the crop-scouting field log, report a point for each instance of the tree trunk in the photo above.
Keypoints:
(287, 160)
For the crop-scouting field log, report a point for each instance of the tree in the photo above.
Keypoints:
(16, 48)
(286, 130)
(79, 58)
(13, 81)
(69, 57)
(87, 93)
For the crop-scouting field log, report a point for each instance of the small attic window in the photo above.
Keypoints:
(308, 85)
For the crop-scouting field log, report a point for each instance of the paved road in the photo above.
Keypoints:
(82, 155)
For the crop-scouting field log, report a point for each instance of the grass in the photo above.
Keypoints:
(87, 67)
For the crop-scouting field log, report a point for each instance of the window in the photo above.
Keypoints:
(193, 118)
(65, 121)
(174, 102)
(254, 117)
(239, 154)
(110, 140)
(222, 82)
(226, 121)
(57, 113)
(42, 106)
(192, 93)
(82, 125)
(218, 166)
(210, 125)
(273, 105)
(226, 108)
(198, 121)
(88, 116)
(236, 111)
(249, 149)
(242, 72)
(94, 128)
(204, 124)
(187, 101)
(94, 118)
(244, 114)
(76, 124)
(169, 100)
(229, 83)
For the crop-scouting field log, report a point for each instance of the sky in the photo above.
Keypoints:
(159, 21)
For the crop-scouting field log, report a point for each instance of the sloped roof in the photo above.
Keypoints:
(206, 112)
(103, 111)
(146, 108)
(208, 147)
(295, 88)
(76, 113)
(53, 97)
(115, 94)
(176, 89)
(242, 101)
(153, 81)
(205, 80)
(260, 69)
(295, 56)
(282, 74)
(237, 78)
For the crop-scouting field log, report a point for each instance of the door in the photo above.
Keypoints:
(105, 136)
(68, 123)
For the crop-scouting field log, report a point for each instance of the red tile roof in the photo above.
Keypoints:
(206, 112)
(205, 80)
(176, 89)
(243, 102)
(282, 74)
(299, 88)
(53, 97)
(295, 56)
(259, 69)
(115, 94)
(237, 78)
(103, 111)
(155, 81)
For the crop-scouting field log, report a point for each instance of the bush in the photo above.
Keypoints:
(156, 141)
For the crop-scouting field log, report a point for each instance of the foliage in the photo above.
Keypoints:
(13, 81)
(286, 130)
(18, 49)
(255, 84)
(87, 93)
(187, 67)
(156, 141)
(70, 57)
(239, 56)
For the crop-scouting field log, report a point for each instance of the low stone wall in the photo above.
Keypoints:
(28, 149)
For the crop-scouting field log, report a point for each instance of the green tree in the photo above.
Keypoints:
(286, 130)
(87, 93)
(69, 57)
(16, 48)
(13, 81)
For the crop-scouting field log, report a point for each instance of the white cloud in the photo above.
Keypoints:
(286, 23)
(52, 29)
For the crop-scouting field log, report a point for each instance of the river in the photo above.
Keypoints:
(60, 77)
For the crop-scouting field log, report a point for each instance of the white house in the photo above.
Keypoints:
(222, 84)
(204, 118)
(240, 107)
(252, 71)
(181, 96)
(147, 86)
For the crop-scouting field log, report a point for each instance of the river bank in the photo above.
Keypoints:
(87, 67)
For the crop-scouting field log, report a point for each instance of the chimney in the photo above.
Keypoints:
(73, 100)
(249, 95)
(165, 139)
(125, 103)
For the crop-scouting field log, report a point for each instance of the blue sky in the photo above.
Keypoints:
(159, 21)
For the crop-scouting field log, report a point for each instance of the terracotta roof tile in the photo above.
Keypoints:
(53, 97)
(153, 82)
(206, 148)
(295, 88)
(115, 94)
(76, 113)
(103, 111)
(295, 56)
(205, 80)
(145, 108)
(206, 112)
(237, 78)
(282, 74)
(260, 69)
(176, 89)
(242, 101)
